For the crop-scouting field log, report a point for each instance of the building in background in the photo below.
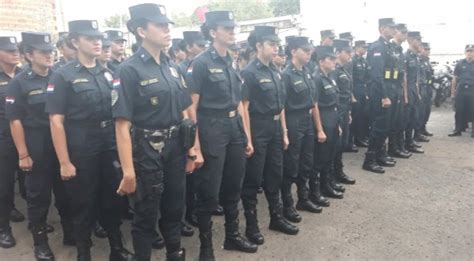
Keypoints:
(18, 16)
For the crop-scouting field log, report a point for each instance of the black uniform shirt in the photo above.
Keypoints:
(300, 90)
(401, 61)
(464, 71)
(344, 85)
(383, 65)
(327, 89)
(80, 93)
(360, 71)
(113, 64)
(27, 99)
(424, 70)
(263, 88)
(412, 69)
(215, 80)
(4, 81)
(148, 94)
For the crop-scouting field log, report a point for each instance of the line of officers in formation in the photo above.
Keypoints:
(184, 141)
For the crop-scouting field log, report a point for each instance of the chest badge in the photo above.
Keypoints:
(108, 76)
(154, 100)
(114, 96)
(174, 72)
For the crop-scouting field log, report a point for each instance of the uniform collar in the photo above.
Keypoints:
(78, 66)
(214, 55)
(30, 74)
(383, 40)
(293, 68)
(17, 71)
(260, 65)
(146, 56)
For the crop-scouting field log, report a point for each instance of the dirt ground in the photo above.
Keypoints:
(420, 210)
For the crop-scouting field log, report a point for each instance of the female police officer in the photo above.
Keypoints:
(301, 98)
(80, 112)
(148, 96)
(31, 134)
(223, 135)
(263, 95)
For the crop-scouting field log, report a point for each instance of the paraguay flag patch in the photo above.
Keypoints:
(116, 83)
(50, 88)
(10, 100)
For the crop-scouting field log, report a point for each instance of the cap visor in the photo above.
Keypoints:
(91, 33)
(162, 20)
(43, 47)
(9, 47)
(272, 38)
(227, 24)
(118, 39)
(201, 42)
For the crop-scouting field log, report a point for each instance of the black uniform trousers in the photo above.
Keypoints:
(161, 183)
(44, 177)
(266, 164)
(427, 103)
(381, 119)
(360, 114)
(342, 140)
(8, 166)
(223, 143)
(93, 191)
(464, 106)
(298, 159)
(397, 123)
(413, 114)
(324, 153)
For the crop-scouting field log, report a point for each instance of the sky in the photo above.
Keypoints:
(448, 25)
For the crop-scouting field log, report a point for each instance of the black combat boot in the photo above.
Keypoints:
(315, 194)
(342, 177)
(117, 251)
(99, 231)
(186, 231)
(289, 211)
(16, 216)
(326, 187)
(304, 204)
(252, 231)
(6, 237)
(219, 211)
(40, 240)
(206, 252)
(370, 163)
(158, 242)
(279, 223)
(176, 256)
(234, 241)
(68, 237)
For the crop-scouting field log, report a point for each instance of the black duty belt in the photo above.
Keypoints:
(299, 112)
(266, 116)
(169, 133)
(90, 124)
(218, 113)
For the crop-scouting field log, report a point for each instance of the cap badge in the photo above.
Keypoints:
(162, 10)
(94, 24)
(12, 40)
(46, 39)
(231, 16)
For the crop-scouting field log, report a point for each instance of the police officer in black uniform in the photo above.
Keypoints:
(195, 44)
(327, 37)
(149, 98)
(223, 134)
(298, 158)
(382, 63)
(79, 105)
(176, 51)
(263, 95)
(344, 84)
(66, 50)
(462, 91)
(9, 59)
(413, 80)
(396, 139)
(30, 131)
(360, 108)
(327, 122)
(426, 94)
(427, 99)
(117, 44)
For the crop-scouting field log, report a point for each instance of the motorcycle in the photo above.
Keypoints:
(442, 78)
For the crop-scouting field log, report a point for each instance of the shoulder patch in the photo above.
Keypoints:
(116, 83)
(10, 100)
(50, 88)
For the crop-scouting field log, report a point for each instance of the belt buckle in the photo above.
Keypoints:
(157, 133)
(232, 114)
(276, 117)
